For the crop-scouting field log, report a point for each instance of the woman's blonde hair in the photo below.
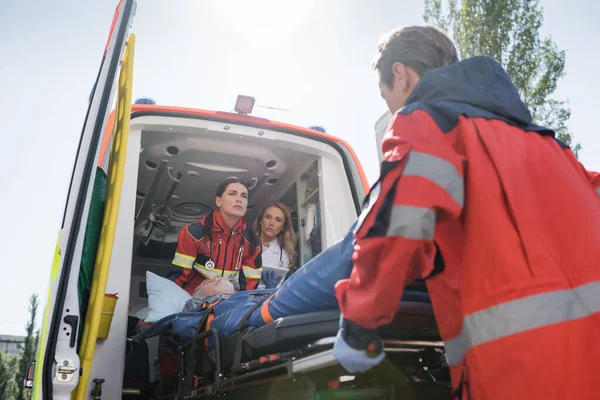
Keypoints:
(287, 236)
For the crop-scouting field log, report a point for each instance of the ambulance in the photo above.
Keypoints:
(143, 171)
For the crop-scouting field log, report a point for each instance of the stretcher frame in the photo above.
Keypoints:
(296, 368)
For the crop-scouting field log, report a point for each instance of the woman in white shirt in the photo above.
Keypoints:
(274, 229)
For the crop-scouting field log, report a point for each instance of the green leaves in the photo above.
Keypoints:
(509, 32)
(28, 348)
(8, 376)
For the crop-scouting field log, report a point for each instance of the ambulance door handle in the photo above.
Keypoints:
(72, 321)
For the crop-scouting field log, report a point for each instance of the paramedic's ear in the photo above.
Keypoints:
(218, 201)
(402, 76)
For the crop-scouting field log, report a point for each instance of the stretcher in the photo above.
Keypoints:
(278, 343)
(292, 356)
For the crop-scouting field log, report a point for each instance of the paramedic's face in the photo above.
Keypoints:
(272, 223)
(234, 200)
(388, 95)
(403, 83)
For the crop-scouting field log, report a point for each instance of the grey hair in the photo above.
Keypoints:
(420, 48)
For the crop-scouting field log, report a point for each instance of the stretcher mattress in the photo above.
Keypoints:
(414, 322)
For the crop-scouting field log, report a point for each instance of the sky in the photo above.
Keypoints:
(310, 57)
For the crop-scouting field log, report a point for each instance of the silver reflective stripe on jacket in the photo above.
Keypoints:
(438, 171)
(512, 317)
(412, 222)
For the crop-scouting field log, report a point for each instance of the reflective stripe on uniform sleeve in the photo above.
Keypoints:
(183, 261)
(598, 191)
(252, 273)
(412, 222)
(532, 312)
(437, 170)
(215, 272)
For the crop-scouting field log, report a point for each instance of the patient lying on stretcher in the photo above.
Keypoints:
(307, 290)
(310, 289)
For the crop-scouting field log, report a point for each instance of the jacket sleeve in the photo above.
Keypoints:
(251, 270)
(421, 184)
(593, 177)
(186, 252)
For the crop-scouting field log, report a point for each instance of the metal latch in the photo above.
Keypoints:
(65, 370)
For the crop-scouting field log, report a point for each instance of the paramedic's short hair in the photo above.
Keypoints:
(420, 48)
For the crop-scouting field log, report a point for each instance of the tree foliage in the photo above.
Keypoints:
(13, 368)
(8, 376)
(28, 347)
(509, 32)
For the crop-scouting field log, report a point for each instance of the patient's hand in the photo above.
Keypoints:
(213, 286)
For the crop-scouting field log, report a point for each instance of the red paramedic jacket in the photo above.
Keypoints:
(235, 253)
(515, 218)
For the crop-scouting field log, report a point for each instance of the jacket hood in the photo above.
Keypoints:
(478, 83)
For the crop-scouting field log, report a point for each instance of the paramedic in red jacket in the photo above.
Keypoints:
(220, 244)
(515, 217)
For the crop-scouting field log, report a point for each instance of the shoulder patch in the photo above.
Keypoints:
(196, 230)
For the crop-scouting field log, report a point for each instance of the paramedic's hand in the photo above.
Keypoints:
(270, 280)
(357, 349)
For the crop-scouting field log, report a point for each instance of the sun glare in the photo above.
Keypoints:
(264, 22)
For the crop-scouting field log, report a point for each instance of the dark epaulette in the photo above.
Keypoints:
(563, 145)
(196, 230)
(251, 238)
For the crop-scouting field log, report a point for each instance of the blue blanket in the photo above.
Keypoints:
(185, 324)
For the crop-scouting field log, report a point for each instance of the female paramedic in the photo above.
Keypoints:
(274, 229)
(220, 244)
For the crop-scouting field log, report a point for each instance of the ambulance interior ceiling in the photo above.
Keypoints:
(202, 160)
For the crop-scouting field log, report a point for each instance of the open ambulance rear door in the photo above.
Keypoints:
(57, 366)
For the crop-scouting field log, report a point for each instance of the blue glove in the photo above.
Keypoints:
(270, 280)
(357, 360)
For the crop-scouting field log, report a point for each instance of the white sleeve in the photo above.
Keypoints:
(285, 260)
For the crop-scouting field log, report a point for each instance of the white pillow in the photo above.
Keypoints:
(164, 297)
